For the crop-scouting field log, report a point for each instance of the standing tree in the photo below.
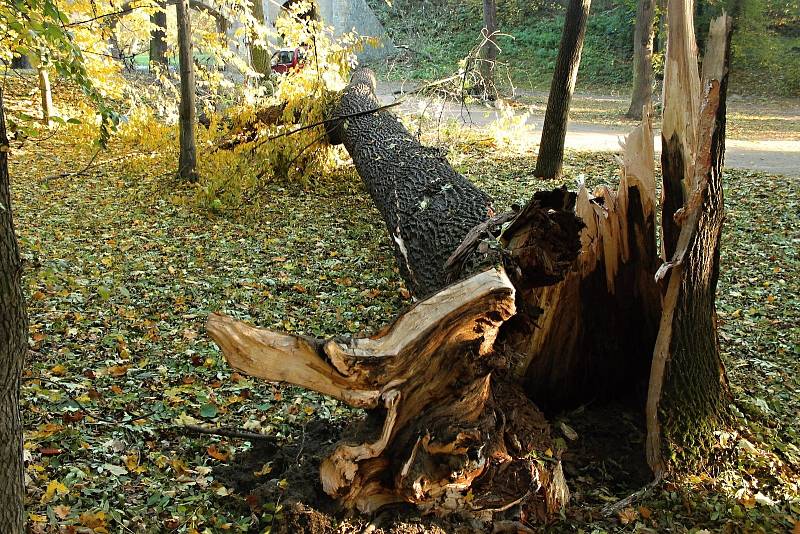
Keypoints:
(45, 92)
(490, 50)
(259, 56)
(187, 162)
(13, 347)
(158, 36)
(554, 130)
(565, 307)
(643, 35)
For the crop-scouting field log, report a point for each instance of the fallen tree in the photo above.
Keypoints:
(571, 300)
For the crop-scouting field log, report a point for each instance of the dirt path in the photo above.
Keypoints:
(775, 156)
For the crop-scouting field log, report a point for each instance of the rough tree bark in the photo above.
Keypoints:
(187, 162)
(569, 307)
(490, 50)
(688, 393)
(554, 129)
(158, 37)
(13, 347)
(643, 35)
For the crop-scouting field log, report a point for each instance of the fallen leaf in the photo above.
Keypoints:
(628, 515)
(117, 370)
(217, 454)
(52, 488)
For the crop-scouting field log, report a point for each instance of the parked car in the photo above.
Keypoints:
(286, 59)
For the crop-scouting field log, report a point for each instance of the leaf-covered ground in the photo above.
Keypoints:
(121, 270)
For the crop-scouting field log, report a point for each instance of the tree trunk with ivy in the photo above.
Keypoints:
(13, 347)
(561, 307)
(554, 128)
(259, 55)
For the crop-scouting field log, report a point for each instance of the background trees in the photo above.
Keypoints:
(554, 130)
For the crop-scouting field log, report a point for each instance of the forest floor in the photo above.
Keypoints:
(122, 268)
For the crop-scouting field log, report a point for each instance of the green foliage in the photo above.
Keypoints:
(529, 40)
(766, 44)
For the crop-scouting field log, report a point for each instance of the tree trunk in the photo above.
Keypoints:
(452, 417)
(13, 347)
(490, 50)
(642, 59)
(554, 129)
(688, 394)
(46, 95)
(563, 307)
(187, 162)
(259, 56)
(158, 37)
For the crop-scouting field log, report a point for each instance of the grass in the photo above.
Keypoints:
(122, 269)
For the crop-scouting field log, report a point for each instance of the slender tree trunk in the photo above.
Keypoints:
(13, 346)
(187, 163)
(46, 95)
(158, 37)
(642, 58)
(490, 50)
(259, 56)
(554, 130)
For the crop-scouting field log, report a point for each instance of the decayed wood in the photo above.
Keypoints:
(592, 332)
(445, 424)
(686, 367)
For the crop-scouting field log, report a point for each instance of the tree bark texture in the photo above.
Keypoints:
(13, 347)
(688, 392)
(642, 58)
(187, 162)
(427, 206)
(554, 129)
(158, 37)
(490, 50)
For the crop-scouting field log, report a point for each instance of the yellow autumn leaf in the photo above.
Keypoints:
(52, 488)
(94, 520)
(36, 518)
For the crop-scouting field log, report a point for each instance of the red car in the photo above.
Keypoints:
(286, 59)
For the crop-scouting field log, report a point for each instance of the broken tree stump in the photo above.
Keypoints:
(568, 309)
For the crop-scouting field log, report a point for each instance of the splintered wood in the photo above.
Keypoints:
(430, 373)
